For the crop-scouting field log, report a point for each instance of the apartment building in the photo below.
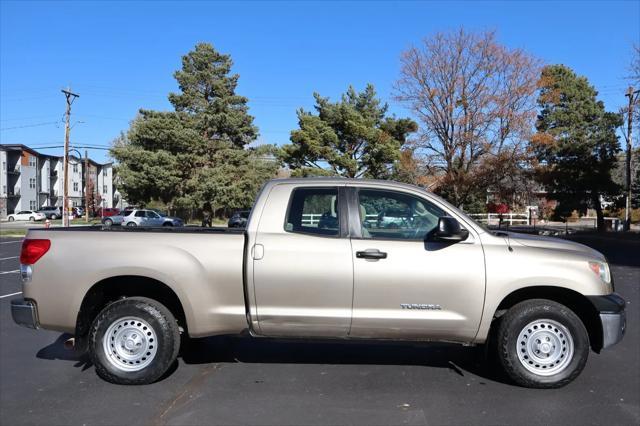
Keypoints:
(30, 180)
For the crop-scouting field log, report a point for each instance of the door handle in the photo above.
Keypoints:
(371, 254)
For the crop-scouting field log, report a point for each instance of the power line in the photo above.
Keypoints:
(29, 125)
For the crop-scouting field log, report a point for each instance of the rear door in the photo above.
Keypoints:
(404, 286)
(302, 266)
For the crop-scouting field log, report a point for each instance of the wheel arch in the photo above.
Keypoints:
(113, 288)
(573, 300)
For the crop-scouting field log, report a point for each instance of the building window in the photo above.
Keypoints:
(75, 167)
(4, 189)
(4, 166)
(32, 161)
(32, 205)
(104, 172)
(75, 186)
(32, 183)
(104, 189)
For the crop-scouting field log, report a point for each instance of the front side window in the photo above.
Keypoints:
(397, 216)
(314, 211)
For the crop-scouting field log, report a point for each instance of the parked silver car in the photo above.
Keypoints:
(142, 217)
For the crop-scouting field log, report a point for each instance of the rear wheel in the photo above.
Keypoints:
(108, 222)
(54, 216)
(32, 219)
(134, 341)
(542, 344)
(132, 224)
(11, 219)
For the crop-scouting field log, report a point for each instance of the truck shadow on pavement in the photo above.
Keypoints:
(58, 351)
(239, 349)
(460, 360)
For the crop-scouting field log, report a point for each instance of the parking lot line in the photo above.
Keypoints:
(7, 258)
(10, 294)
(10, 242)
(9, 272)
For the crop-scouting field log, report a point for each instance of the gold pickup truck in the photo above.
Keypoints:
(323, 258)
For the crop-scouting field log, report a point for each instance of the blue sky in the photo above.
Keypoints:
(120, 56)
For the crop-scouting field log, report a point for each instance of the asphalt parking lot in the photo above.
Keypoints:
(269, 382)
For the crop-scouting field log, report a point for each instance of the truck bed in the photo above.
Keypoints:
(157, 229)
(202, 266)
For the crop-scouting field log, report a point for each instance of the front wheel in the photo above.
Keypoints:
(107, 222)
(131, 224)
(134, 341)
(54, 216)
(11, 219)
(32, 219)
(542, 344)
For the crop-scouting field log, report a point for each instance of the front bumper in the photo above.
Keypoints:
(25, 313)
(612, 317)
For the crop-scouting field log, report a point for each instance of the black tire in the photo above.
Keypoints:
(108, 222)
(167, 224)
(32, 219)
(132, 224)
(516, 320)
(54, 217)
(164, 326)
(11, 219)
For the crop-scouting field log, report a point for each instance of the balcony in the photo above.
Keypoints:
(13, 193)
(15, 170)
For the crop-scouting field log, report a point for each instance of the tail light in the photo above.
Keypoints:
(32, 250)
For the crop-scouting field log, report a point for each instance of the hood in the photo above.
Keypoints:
(540, 241)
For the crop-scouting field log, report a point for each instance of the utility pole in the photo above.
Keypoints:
(86, 186)
(633, 99)
(70, 97)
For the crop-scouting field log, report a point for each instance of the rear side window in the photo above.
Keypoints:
(140, 213)
(314, 211)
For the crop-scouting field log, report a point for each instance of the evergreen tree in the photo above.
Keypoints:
(196, 154)
(352, 137)
(576, 143)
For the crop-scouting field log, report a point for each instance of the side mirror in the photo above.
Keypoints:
(449, 230)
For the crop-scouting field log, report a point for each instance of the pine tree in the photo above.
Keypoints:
(353, 137)
(576, 143)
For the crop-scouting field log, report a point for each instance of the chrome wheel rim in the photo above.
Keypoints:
(130, 344)
(545, 347)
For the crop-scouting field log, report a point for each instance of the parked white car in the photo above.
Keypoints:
(29, 215)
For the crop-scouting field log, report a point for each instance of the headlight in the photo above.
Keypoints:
(601, 269)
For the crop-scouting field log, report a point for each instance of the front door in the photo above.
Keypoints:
(405, 287)
(302, 270)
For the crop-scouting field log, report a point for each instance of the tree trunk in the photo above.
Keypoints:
(599, 213)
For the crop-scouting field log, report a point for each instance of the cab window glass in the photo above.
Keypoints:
(314, 211)
(393, 215)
